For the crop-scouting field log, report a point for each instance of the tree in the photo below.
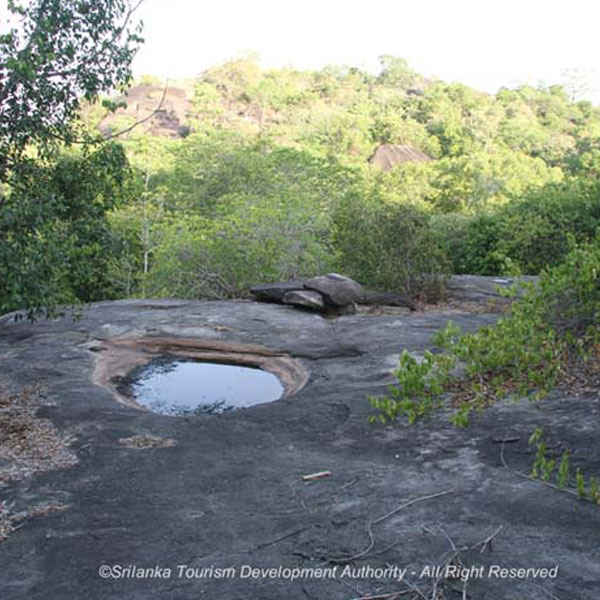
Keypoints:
(396, 72)
(55, 242)
(56, 54)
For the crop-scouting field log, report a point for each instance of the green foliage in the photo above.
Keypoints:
(482, 180)
(544, 468)
(474, 243)
(396, 72)
(527, 351)
(525, 235)
(62, 52)
(511, 140)
(208, 167)
(259, 239)
(564, 471)
(55, 242)
(233, 212)
(419, 387)
(538, 227)
(594, 492)
(388, 245)
(580, 483)
(274, 181)
(492, 201)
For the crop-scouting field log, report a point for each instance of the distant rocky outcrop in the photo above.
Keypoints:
(387, 156)
(169, 118)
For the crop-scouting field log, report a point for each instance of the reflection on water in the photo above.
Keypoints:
(175, 386)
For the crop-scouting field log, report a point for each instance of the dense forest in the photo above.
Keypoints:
(267, 175)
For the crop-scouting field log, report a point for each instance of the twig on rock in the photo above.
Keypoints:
(314, 476)
(410, 503)
(384, 596)
(487, 543)
(282, 537)
(344, 560)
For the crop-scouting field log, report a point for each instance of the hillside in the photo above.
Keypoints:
(345, 112)
(248, 175)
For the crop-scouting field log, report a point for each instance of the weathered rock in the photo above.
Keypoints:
(388, 156)
(347, 309)
(337, 290)
(305, 298)
(165, 112)
(387, 299)
(230, 486)
(274, 292)
(482, 289)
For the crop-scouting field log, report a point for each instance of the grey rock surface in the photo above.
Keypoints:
(482, 289)
(230, 493)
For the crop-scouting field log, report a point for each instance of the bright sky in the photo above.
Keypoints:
(483, 43)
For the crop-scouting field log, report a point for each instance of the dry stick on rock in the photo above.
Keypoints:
(370, 524)
(437, 592)
(549, 593)
(314, 476)
(281, 538)
(384, 596)
(414, 589)
(410, 503)
(347, 485)
(297, 496)
(487, 543)
(455, 556)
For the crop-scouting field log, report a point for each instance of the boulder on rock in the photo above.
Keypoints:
(337, 290)
(305, 298)
(330, 294)
(274, 292)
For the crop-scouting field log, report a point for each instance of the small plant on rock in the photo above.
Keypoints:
(544, 469)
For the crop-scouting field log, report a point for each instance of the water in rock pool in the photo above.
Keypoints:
(175, 386)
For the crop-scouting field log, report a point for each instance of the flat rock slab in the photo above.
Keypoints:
(483, 289)
(227, 491)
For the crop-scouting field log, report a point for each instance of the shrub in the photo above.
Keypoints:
(538, 226)
(474, 243)
(260, 240)
(389, 245)
(523, 236)
(546, 333)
